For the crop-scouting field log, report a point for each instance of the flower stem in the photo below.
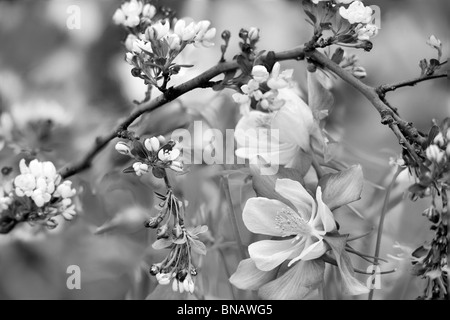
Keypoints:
(381, 223)
(233, 217)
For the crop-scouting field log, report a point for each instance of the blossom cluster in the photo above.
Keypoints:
(37, 194)
(153, 47)
(356, 27)
(262, 91)
(178, 266)
(154, 154)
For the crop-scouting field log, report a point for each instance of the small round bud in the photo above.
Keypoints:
(153, 222)
(123, 148)
(194, 272)
(243, 34)
(136, 72)
(253, 34)
(154, 270)
(226, 35)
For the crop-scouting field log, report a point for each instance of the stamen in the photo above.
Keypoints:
(290, 223)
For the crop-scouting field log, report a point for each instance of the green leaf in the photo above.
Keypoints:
(162, 244)
(338, 55)
(198, 246)
(311, 16)
(350, 285)
(130, 169)
(139, 150)
(159, 173)
(342, 188)
(297, 283)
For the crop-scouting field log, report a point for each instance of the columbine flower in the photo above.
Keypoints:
(365, 32)
(356, 13)
(307, 223)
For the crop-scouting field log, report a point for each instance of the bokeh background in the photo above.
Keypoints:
(65, 87)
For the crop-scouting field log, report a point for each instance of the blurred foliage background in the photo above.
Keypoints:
(65, 87)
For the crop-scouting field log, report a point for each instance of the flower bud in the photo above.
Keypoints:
(434, 42)
(51, 223)
(175, 285)
(123, 148)
(152, 144)
(149, 11)
(153, 222)
(359, 72)
(260, 73)
(154, 270)
(253, 34)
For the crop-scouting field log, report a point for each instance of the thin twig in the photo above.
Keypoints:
(381, 222)
(383, 89)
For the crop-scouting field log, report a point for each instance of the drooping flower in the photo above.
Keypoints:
(356, 13)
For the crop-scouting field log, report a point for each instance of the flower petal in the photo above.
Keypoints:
(343, 187)
(324, 215)
(259, 216)
(269, 254)
(294, 120)
(350, 285)
(297, 195)
(249, 277)
(312, 250)
(297, 283)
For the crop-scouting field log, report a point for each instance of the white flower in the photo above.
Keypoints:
(365, 32)
(356, 13)
(344, 1)
(204, 36)
(278, 136)
(279, 80)
(308, 223)
(158, 31)
(434, 153)
(129, 57)
(152, 144)
(25, 184)
(439, 139)
(68, 212)
(5, 200)
(167, 155)
(176, 166)
(129, 13)
(185, 33)
(260, 73)
(65, 190)
(140, 168)
(149, 11)
(174, 42)
(119, 17)
(359, 72)
(129, 42)
(163, 278)
(40, 197)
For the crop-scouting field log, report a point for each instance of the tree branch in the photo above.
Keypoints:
(383, 89)
(171, 94)
(388, 116)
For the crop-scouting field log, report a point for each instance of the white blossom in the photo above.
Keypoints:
(434, 153)
(129, 13)
(140, 168)
(356, 13)
(365, 32)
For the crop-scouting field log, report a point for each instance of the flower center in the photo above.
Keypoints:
(290, 223)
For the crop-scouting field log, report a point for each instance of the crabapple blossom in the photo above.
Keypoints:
(434, 153)
(140, 168)
(356, 13)
(365, 32)
(129, 13)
